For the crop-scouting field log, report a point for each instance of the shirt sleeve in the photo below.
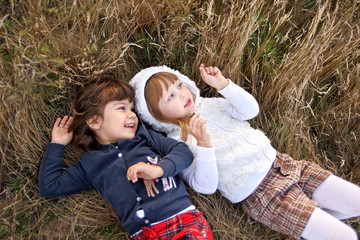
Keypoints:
(202, 174)
(240, 104)
(176, 155)
(56, 182)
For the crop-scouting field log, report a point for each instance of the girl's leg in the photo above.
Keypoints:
(338, 197)
(322, 225)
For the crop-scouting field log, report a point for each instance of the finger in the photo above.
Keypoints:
(130, 172)
(207, 70)
(211, 70)
(197, 124)
(68, 122)
(63, 121)
(132, 175)
(137, 169)
(201, 124)
(193, 120)
(194, 116)
(203, 127)
(57, 122)
(203, 73)
(216, 70)
(192, 126)
(135, 178)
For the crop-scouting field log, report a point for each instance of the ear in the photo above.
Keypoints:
(94, 122)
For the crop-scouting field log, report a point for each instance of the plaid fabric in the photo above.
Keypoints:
(283, 200)
(189, 225)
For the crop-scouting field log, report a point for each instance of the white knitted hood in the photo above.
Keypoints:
(139, 82)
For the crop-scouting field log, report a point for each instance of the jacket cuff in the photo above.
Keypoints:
(55, 149)
(168, 167)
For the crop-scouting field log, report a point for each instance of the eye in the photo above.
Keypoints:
(122, 108)
(171, 96)
(180, 85)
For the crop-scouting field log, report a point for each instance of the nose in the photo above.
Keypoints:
(131, 115)
(182, 94)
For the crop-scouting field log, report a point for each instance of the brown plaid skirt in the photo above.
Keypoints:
(283, 200)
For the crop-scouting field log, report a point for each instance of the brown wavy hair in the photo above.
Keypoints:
(91, 100)
(153, 94)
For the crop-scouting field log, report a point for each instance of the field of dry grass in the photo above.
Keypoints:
(300, 59)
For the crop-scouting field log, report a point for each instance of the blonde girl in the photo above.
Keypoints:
(296, 198)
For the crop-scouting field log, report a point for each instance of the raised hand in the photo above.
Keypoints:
(197, 127)
(60, 130)
(213, 77)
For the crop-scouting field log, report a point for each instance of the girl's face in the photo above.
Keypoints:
(176, 102)
(118, 122)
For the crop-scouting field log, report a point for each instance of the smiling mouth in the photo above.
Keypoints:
(130, 125)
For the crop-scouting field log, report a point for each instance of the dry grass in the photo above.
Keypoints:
(300, 59)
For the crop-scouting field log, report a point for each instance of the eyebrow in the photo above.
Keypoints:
(121, 102)
(176, 82)
(162, 99)
(164, 95)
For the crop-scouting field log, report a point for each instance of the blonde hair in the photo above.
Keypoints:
(153, 94)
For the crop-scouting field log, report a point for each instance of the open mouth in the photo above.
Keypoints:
(188, 103)
(130, 125)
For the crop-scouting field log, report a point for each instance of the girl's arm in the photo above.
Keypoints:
(241, 104)
(202, 175)
(56, 182)
(53, 181)
(176, 155)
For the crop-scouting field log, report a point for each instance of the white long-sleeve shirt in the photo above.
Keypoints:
(243, 154)
(202, 174)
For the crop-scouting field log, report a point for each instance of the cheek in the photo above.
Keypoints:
(170, 111)
(163, 110)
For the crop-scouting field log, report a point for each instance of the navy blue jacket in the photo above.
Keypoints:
(105, 170)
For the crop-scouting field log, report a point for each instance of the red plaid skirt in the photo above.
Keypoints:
(189, 225)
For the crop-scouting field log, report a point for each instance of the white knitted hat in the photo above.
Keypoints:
(139, 82)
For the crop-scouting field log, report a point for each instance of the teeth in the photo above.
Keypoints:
(130, 125)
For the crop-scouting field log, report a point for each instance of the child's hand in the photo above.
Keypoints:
(60, 132)
(144, 170)
(213, 77)
(197, 127)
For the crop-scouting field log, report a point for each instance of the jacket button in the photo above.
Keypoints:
(146, 221)
(120, 155)
(138, 199)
